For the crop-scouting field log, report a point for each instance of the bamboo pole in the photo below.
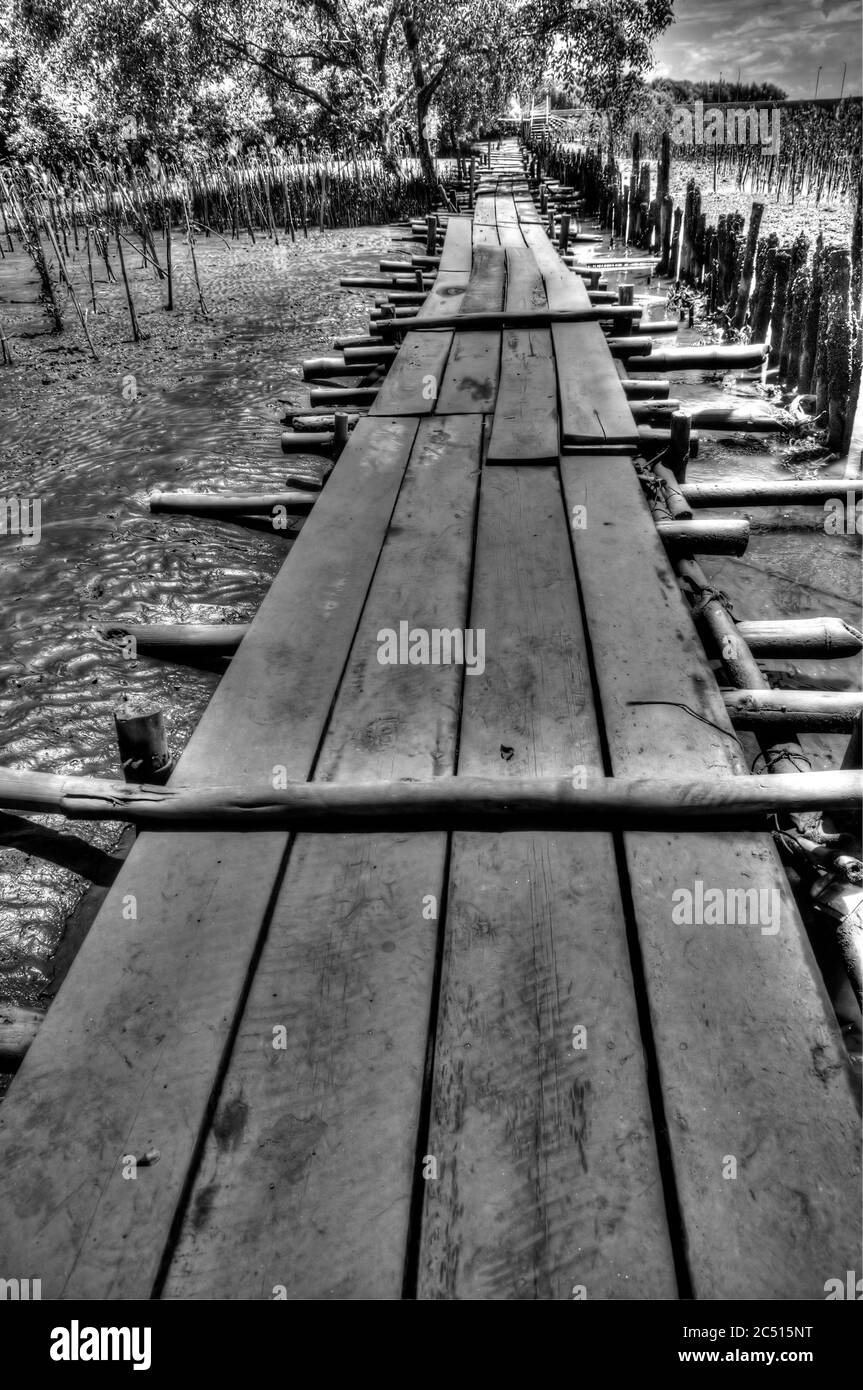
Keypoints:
(169, 261)
(801, 638)
(778, 493)
(143, 743)
(453, 803)
(808, 711)
(211, 639)
(701, 358)
(308, 441)
(136, 332)
(512, 318)
(18, 1028)
(215, 504)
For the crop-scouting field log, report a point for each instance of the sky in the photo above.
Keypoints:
(781, 41)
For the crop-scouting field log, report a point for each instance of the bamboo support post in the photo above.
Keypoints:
(340, 432)
(18, 1029)
(679, 443)
(743, 285)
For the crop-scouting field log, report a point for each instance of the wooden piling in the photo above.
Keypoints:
(143, 743)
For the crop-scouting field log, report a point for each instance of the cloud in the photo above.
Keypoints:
(783, 41)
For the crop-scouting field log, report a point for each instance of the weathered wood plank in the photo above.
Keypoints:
(313, 1189)
(470, 381)
(456, 252)
(593, 404)
(446, 294)
(504, 208)
(750, 1060)
(525, 291)
(525, 425)
(485, 291)
(129, 1053)
(412, 383)
(547, 1173)
(471, 377)
(525, 428)
(484, 213)
(485, 235)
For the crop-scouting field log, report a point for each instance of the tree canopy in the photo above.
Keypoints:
(79, 75)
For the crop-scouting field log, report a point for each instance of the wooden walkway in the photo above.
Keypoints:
(467, 1066)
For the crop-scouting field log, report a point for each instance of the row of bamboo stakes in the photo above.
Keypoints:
(131, 208)
(819, 155)
(805, 296)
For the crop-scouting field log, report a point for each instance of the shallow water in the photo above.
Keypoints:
(197, 405)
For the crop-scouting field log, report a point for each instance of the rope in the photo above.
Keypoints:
(783, 754)
(708, 594)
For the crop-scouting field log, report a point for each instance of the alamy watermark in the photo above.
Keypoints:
(437, 646)
(726, 125)
(21, 516)
(719, 907)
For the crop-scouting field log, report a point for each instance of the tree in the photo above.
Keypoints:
(347, 70)
(603, 48)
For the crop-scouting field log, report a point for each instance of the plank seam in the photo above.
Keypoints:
(665, 1158)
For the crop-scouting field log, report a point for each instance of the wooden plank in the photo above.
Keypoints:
(593, 406)
(130, 1051)
(750, 1060)
(525, 428)
(485, 235)
(446, 294)
(594, 409)
(525, 425)
(313, 1190)
(483, 213)
(510, 235)
(470, 381)
(413, 381)
(525, 291)
(547, 1173)
(485, 291)
(456, 252)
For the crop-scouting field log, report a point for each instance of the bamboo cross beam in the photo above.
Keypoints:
(307, 441)
(683, 537)
(781, 492)
(800, 638)
(206, 639)
(707, 359)
(214, 504)
(445, 803)
(495, 319)
(718, 418)
(656, 326)
(651, 388)
(809, 711)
